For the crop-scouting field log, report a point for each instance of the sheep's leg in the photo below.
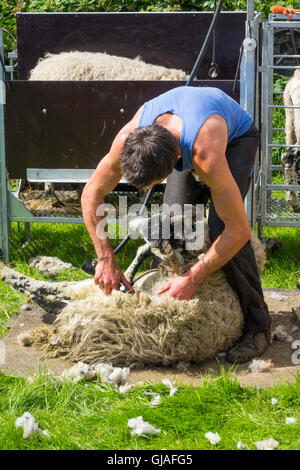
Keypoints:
(291, 169)
(297, 181)
(142, 253)
(287, 163)
(51, 291)
(49, 189)
(297, 125)
(290, 136)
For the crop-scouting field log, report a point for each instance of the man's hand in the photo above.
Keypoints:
(180, 287)
(108, 276)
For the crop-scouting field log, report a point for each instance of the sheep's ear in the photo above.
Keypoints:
(89, 267)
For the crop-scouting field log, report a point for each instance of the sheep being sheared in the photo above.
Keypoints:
(140, 328)
(159, 248)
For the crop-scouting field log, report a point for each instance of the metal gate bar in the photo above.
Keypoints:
(4, 229)
(273, 211)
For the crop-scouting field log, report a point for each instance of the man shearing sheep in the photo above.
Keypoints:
(203, 129)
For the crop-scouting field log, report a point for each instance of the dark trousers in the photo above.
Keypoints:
(241, 271)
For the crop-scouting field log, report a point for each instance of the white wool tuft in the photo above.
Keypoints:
(241, 446)
(79, 371)
(126, 388)
(49, 265)
(291, 420)
(140, 427)
(259, 365)
(113, 375)
(156, 400)
(213, 438)
(106, 372)
(30, 426)
(268, 444)
(280, 334)
(171, 386)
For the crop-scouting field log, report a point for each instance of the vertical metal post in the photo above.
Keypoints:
(248, 88)
(264, 126)
(4, 229)
(270, 103)
(250, 10)
(27, 231)
(257, 109)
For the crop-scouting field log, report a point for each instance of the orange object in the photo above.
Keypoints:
(285, 11)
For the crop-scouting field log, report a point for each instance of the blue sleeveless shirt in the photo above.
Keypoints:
(194, 105)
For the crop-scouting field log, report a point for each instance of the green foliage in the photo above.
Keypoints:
(9, 8)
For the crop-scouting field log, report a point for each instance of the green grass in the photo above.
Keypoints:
(69, 242)
(282, 269)
(283, 266)
(92, 415)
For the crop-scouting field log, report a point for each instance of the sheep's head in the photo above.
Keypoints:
(171, 237)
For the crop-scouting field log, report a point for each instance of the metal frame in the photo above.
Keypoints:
(12, 210)
(4, 224)
(267, 208)
(249, 96)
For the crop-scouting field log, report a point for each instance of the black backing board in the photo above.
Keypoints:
(72, 124)
(170, 39)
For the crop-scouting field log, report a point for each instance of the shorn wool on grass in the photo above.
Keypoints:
(136, 329)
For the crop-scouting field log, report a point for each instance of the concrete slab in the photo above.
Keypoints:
(23, 361)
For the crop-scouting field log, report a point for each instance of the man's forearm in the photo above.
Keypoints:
(222, 250)
(90, 203)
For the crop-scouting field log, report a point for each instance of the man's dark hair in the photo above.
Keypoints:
(149, 154)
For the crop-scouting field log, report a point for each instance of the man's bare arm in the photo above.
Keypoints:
(210, 163)
(107, 175)
(103, 181)
(105, 178)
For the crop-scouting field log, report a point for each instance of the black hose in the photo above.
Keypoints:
(205, 44)
(89, 266)
(6, 79)
(127, 238)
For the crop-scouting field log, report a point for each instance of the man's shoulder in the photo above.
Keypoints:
(212, 137)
